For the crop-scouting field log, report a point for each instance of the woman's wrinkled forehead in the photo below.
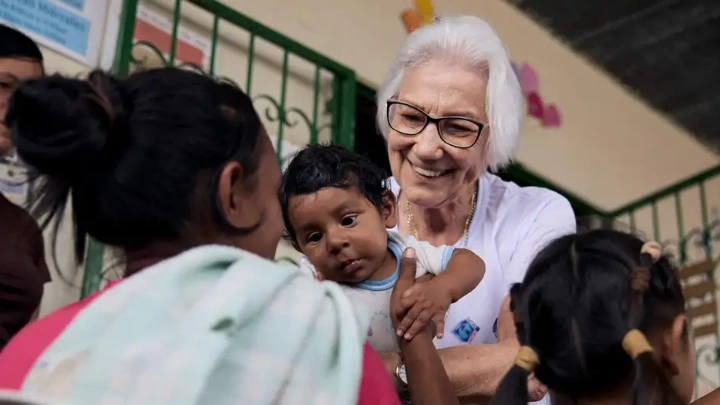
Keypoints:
(442, 90)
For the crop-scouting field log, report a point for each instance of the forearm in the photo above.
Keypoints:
(425, 372)
(463, 273)
(476, 370)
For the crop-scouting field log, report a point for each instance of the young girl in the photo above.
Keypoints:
(601, 320)
(337, 211)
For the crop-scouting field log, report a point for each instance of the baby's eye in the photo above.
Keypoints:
(348, 220)
(314, 237)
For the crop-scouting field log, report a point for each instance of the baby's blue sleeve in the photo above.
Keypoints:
(446, 255)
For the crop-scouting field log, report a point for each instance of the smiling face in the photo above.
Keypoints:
(431, 172)
(343, 234)
(13, 71)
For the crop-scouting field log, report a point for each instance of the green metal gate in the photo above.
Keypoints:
(684, 218)
(301, 95)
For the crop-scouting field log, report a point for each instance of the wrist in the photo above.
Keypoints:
(422, 341)
(447, 288)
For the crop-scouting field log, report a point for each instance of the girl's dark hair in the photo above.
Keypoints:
(320, 166)
(135, 153)
(574, 308)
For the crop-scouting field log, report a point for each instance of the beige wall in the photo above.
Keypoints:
(607, 134)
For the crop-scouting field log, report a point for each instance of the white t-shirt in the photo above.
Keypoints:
(511, 225)
(375, 295)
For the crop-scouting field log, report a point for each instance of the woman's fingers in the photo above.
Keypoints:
(405, 281)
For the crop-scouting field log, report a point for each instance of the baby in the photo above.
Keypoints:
(337, 212)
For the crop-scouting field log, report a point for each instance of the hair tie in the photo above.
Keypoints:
(640, 279)
(527, 359)
(653, 249)
(636, 344)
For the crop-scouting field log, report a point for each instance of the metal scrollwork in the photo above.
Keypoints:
(144, 62)
(193, 67)
(228, 81)
(279, 115)
(710, 355)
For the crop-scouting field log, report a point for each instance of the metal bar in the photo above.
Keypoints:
(656, 221)
(251, 59)
(214, 39)
(347, 111)
(680, 228)
(334, 105)
(272, 36)
(176, 26)
(707, 243)
(94, 260)
(281, 110)
(679, 186)
(124, 45)
(316, 107)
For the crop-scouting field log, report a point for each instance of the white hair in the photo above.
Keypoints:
(472, 42)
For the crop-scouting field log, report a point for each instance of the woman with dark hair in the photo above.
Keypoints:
(23, 271)
(178, 171)
(601, 320)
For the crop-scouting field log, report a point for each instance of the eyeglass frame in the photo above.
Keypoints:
(436, 120)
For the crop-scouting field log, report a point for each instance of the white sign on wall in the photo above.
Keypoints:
(71, 27)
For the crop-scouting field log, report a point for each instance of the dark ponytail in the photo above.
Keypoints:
(63, 126)
(137, 154)
(513, 388)
(584, 307)
(650, 384)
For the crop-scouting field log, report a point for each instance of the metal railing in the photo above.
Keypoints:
(302, 96)
(684, 219)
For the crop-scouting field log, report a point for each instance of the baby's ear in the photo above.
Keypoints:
(389, 209)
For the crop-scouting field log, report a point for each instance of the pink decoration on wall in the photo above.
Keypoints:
(534, 105)
(551, 116)
(528, 79)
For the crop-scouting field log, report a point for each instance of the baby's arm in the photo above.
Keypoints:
(463, 273)
(431, 300)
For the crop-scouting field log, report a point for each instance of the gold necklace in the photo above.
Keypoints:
(468, 221)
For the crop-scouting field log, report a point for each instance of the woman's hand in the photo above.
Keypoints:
(405, 281)
(506, 323)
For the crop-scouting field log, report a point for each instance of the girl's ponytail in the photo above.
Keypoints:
(513, 389)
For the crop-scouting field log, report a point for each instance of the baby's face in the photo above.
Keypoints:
(341, 232)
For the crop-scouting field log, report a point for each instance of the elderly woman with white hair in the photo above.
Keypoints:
(451, 110)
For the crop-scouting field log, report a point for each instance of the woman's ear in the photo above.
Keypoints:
(674, 345)
(389, 209)
(232, 196)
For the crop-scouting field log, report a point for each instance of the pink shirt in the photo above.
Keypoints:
(20, 354)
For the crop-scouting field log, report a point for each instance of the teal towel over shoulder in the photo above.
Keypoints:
(215, 325)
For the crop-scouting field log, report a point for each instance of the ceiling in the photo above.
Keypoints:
(667, 52)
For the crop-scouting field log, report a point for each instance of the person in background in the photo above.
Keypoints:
(337, 209)
(452, 112)
(23, 271)
(178, 171)
(601, 320)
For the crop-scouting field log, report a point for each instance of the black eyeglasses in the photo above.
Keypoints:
(407, 119)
